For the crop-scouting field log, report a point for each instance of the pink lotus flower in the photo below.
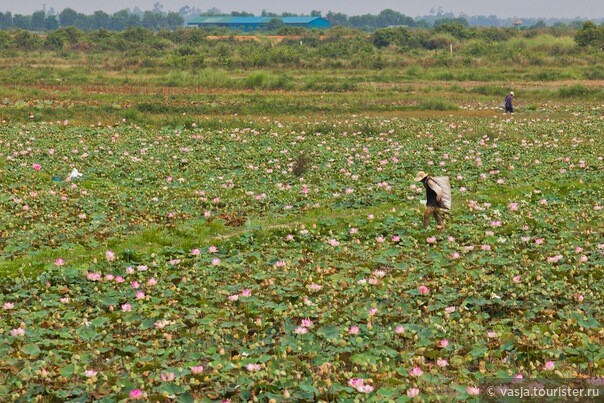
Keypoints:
(424, 290)
(353, 230)
(549, 366)
(233, 297)
(136, 394)
(246, 293)
(396, 238)
(129, 270)
(119, 279)
(198, 369)
(89, 373)
(18, 332)
(455, 255)
(360, 385)
(472, 391)
(580, 297)
(518, 376)
(134, 285)
(196, 252)
(554, 259)
(513, 206)
(126, 307)
(539, 241)
(140, 295)
(450, 309)
(416, 371)
(59, 262)
(37, 167)
(315, 287)
(413, 392)
(94, 276)
(7, 306)
(333, 242)
(516, 279)
(353, 330)
(441, 362)
(307, 323)
(354, 382)
(152, 281)
(64, 300)
(168, 377)
(160, 324)
(212, 249)
(253, 367)
(110, 256)
(431, 239)
(399, 330)
(301, 330)
(216, 261)
(444, 343)
(379, 273)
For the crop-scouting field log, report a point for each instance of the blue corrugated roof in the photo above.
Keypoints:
(249, 20)
(229, 20)
(298, 20)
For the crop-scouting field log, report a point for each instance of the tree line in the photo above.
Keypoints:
(41, 21)
(157, 19)
(334, 43)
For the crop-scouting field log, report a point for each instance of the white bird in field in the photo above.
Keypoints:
(75, 174)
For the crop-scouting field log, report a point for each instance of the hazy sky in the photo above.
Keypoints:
(413, 8)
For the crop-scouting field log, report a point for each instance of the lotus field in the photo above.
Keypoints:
(284, 260)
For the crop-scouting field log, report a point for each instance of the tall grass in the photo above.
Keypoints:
(436, 104)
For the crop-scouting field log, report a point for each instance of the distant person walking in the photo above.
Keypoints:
(509, 104)
(438, 196)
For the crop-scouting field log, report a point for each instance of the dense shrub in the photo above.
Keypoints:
(590, 35)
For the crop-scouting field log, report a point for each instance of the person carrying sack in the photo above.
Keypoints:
(438, 196)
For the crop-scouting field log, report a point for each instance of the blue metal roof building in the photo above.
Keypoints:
(253, 23)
